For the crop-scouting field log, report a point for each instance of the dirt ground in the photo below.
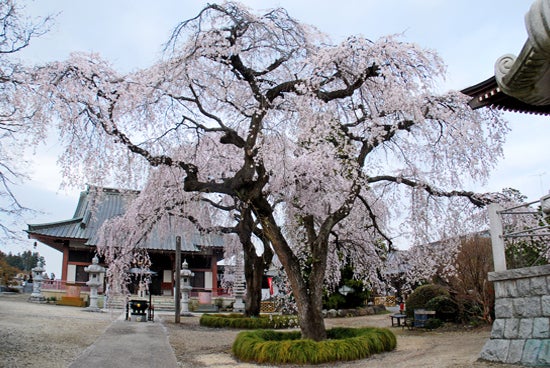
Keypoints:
(444, 348)
(51, 336)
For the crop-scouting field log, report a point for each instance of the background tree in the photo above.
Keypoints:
(7, 271)
(25, 261)
(470, 286)
(17, 132)
(323, 142)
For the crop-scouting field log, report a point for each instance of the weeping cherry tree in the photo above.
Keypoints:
(334, 149)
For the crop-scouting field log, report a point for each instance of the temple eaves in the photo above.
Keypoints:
(522, 83)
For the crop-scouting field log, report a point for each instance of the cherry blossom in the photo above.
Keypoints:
(333, 151)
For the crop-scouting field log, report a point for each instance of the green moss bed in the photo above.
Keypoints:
(343, 344)
(235, 320)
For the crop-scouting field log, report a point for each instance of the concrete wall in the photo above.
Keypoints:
(521, 330)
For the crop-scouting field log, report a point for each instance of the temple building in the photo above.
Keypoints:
(77, 238)
(521, 83)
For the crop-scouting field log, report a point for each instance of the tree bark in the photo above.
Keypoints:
(254, 264)
(309, 303)
(307, 285)
(253, 271)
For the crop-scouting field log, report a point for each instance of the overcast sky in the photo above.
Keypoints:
(469, 35)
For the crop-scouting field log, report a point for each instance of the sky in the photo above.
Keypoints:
(469, 35)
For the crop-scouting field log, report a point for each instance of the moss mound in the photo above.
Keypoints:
(274, 347)
(235, 320)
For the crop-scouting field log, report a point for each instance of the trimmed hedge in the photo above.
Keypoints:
(235, 320)
(343, 344)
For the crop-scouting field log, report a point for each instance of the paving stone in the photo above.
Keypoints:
(495, 350)
(511, 328)
(515, 351)
(545, 301)
(525, 328)
(538, 286)
(541, 328)
(531, 351)
(504, 308)
(497, 332)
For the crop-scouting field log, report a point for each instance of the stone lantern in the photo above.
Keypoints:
(94, 281)
(185, 286)
(36, 295)
(239, 287)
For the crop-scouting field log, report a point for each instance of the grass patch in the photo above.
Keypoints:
(274, 347)
(235, 320)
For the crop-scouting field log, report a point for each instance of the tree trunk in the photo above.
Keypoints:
(253, 271)
(307, 287)
(254, 265)
(310, 316)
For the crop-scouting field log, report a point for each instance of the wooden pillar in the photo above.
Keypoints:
(177, 279)
(173, 269)
(65, 263)
(214, 268)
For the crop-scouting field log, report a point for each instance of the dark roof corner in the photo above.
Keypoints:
(522, 83)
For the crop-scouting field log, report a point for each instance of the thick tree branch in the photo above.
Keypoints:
(351, 87)
(479, 200)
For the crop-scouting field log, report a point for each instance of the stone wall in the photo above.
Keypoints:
(521, 330)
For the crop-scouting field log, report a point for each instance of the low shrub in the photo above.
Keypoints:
(433, 323)
(422, 295)
(334, 301)
(445, 308)
(342, 344)
(235, 320)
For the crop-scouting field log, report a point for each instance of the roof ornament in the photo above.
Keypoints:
(527, 76)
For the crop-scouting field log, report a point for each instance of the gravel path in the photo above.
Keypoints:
(45, 335)
(51, 336)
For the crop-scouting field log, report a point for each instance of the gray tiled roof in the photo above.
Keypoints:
(95, 206)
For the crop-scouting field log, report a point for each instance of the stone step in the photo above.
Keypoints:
(160, 302)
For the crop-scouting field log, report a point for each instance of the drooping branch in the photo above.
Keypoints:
(477, 199)
(374, 219)
(369, 145)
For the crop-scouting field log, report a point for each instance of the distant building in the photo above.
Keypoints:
(76, 238)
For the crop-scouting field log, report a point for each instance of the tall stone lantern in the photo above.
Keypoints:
(94, 281)
(239, 287)
(37, 272)
(185, 286)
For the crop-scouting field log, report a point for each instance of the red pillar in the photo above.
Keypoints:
(214, 268)
(65, 265)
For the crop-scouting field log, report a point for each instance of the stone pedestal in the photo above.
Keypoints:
(521, 330)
